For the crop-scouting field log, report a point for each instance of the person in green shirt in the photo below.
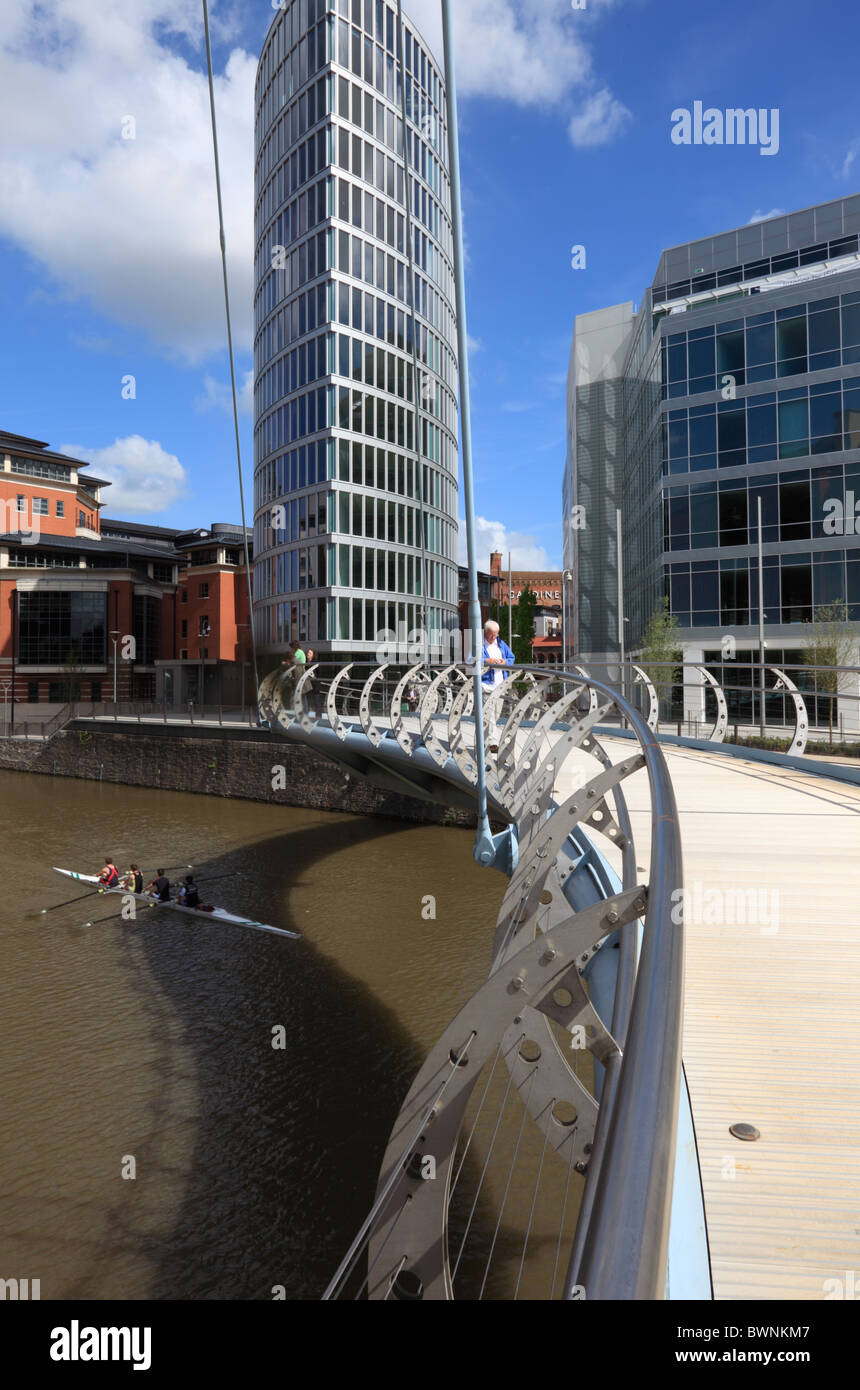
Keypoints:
(299, 656)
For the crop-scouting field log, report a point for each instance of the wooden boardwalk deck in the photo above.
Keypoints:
(772, 1016)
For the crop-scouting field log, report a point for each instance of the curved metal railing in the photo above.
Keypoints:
(553, 971)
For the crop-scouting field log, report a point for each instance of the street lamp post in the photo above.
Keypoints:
(761, 714)
(239, 628)
(7, 685)
(566, 578)
(620, 596)
(115, 636)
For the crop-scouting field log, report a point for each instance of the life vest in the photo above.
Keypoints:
(136, 882)
(192, 897)
(109, 876)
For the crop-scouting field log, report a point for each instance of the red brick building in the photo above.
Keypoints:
(92, 609)
(546, 584)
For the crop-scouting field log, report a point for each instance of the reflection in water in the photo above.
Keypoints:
(153, 1041)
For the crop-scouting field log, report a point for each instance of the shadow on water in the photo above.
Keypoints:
(255, 1165)
(287, 1142)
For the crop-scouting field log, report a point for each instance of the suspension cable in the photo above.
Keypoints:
(514, 1157)
(349, 1260)
(223, 240)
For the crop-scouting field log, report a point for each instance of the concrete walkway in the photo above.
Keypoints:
(772, 1017)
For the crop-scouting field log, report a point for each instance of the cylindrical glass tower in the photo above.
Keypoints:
(355, 410)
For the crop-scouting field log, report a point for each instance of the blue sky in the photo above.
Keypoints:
(109, 260)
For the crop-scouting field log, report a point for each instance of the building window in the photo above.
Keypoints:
(204, 626)
(40, 506)
(33, 692)
(59, 629)
(184, 596)
(22, 503)
(184, 631)
(147, 628)
(96, 692)
(41, 470)
(61, 509)
(203, 591)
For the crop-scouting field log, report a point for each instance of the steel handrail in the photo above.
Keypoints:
(621, 1249)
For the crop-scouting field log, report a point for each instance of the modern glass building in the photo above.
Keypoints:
(737, 380)
(355, 467)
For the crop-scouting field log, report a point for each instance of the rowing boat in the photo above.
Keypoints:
(215, 914)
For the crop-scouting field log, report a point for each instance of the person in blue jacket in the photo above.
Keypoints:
(496, 657)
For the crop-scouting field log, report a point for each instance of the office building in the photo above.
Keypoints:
(736, 381)
(91, 606)
(355, 476)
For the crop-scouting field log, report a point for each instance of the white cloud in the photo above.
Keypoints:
(144, 477)
(847, 163)
(526, 553)
(600, 119)
(217, 395)
(763, 216)
(128, 224)
(528, 51)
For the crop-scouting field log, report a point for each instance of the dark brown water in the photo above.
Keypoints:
(152, 1040)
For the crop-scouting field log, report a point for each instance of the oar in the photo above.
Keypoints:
(67, 903)
(82, 926)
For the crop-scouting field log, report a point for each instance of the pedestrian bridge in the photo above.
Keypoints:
(736, 1176)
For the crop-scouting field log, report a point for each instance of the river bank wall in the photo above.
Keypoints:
(242, 764)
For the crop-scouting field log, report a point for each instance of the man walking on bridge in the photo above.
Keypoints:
(496, 657)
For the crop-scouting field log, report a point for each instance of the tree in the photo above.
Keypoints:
(831, 640)
(524, 626)
(661, 648)
(72, 672)
(499, 614)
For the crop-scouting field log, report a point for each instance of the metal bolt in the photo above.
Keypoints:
(745, 1131)
(612, 915)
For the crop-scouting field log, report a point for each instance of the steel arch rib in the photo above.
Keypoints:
(372, 733)
(420, 1208)
(334, 719)
(404, 738)
(299, 710)
(801, 717)
(721, 723)
(642, 678)
(432, 742)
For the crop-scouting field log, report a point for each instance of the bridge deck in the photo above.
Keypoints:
(772, 1022)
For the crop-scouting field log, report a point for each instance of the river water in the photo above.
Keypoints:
(147, 1046)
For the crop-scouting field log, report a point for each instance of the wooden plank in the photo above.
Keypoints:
(772, 1024)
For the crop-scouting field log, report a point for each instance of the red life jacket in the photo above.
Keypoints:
(109, 876)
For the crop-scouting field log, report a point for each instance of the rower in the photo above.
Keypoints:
(159, 888)
(133, 880)
(188, 893)
(109, 876)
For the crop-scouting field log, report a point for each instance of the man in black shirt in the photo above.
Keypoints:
(160, 888)
(188, 894)
(133, 880)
